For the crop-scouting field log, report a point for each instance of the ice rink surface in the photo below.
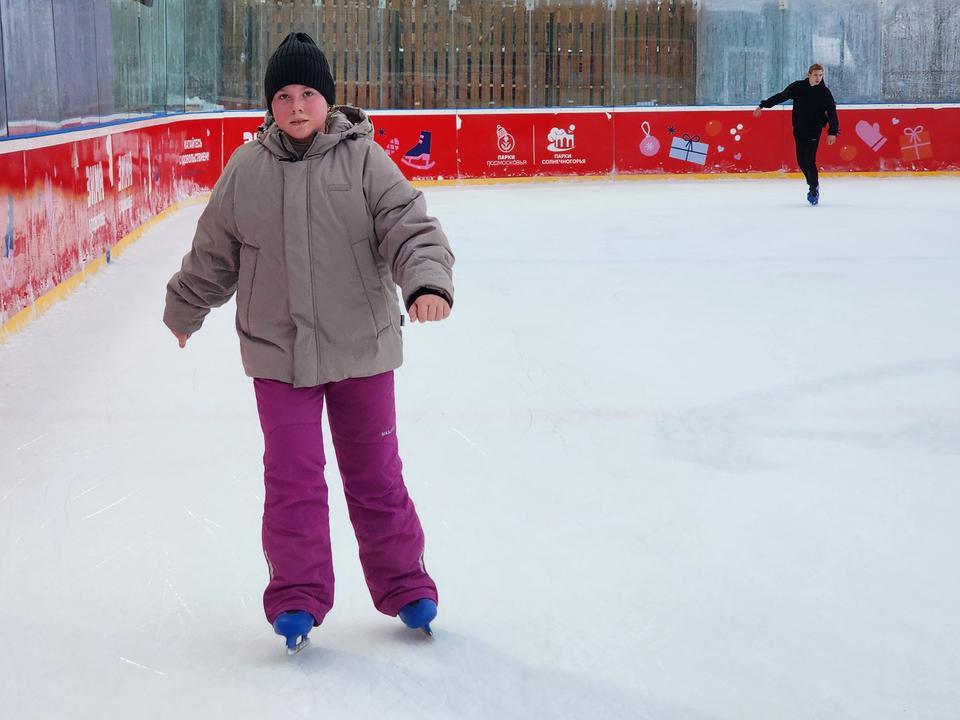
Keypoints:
(685, 450)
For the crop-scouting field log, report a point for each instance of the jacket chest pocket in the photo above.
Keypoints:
(372, 284)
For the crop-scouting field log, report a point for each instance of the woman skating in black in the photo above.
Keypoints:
(813, 108)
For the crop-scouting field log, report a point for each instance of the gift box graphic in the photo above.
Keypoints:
(689, 149)
(915, 143)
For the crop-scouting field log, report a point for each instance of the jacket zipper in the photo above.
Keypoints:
(313, 280)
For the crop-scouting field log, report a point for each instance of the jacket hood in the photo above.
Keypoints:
(343, 123)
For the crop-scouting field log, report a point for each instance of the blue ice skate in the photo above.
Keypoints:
(294, 625)
(813, 197)
(419, 614)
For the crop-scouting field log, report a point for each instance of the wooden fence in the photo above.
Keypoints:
(426, 54)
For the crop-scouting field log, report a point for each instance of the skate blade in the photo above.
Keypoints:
(426, 629)
(304, 641)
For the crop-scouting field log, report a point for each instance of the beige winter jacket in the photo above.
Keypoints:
(313, 249)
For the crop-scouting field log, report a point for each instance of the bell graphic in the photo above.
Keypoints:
(419, 156)
(505, 140)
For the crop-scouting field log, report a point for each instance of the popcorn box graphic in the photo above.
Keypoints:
(689, 149)
(915, 143)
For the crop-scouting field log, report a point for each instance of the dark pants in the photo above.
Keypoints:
(807, 145)
(296, 529)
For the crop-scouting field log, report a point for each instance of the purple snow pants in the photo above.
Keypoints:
(296, 526)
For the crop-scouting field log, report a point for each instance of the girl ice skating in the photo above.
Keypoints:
(314, 227)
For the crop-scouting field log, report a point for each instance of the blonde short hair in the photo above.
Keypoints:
(815, 67)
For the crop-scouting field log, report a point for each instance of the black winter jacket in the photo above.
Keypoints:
(813, 107)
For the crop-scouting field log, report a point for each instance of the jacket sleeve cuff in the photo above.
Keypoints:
(429, 291)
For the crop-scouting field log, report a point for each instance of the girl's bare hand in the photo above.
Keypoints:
(429, 308)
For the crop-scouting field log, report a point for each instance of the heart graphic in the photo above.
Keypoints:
(720, 148)
(896, 121)
(738, 156)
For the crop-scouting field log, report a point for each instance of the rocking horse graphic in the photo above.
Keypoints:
(419, 156)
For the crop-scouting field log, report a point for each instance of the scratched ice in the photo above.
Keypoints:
(683, 450)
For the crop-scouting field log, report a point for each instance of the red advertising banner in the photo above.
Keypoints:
(898, 139)
(182, 159)
(496, 145)
(161, 156)
(15, 271)
(58, 218)
(573, 143)
(707, 140)
(95, 231)
(199, 156)
(701, 140)
(424, 146)
(128, 177)
(89, 191)
(238, 130)
(526, 144)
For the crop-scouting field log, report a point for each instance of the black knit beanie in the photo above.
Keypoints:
(298, 61)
